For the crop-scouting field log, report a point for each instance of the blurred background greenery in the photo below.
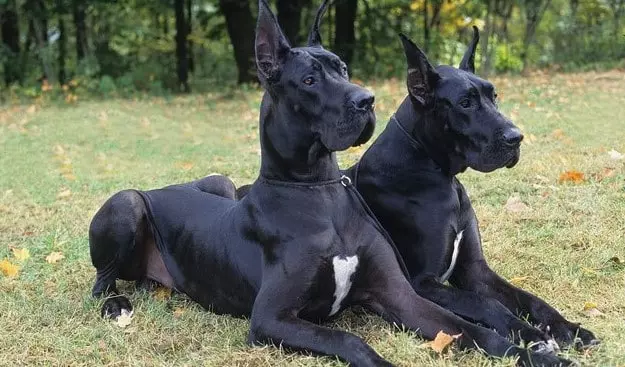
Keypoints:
(66, 48)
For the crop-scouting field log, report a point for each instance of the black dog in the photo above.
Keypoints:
(301, 245)
(450, 122)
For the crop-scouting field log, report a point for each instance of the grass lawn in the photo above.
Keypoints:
(58, 163)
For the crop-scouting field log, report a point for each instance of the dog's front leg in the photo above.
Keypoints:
(473, 273)
(482, 309)
(398, 303)
(274, 320)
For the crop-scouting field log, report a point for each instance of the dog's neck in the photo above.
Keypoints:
(289, 152)
(424, 127)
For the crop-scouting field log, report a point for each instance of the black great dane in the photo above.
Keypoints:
(447, 123)
(301, 245)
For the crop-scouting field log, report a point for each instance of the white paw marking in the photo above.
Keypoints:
(124, 319)
(454, 258)
(343, 270)
(550, 347)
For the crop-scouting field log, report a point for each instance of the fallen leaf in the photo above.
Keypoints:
(589, 305)
(617, 156)
(186, 165)
(518, 280)
(64, 194)
(606, 173)
(54, 257)
(8, 269)
(617, 260)
(558, 133)
(571, 176)
(515, 205)
(162, 293)
(124, 319)
(592, 312)
(21, 254)
(442, 341)
(178, 312)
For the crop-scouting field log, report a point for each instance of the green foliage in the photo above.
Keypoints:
(131, 44)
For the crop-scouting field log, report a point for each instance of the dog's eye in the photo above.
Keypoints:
(344, 69)
(309, 81)
(495, 95)
(465, 103)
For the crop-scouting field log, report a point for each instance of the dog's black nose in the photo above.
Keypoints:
(363, 100)
(512, 137)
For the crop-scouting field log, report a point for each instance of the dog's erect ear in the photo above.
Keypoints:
(314, 38)
(468, 60)
(271, 44)
(421, 74)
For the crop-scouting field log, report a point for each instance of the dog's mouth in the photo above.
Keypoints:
(514, 160)
(366, 133)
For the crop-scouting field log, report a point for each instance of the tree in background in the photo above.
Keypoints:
(290, 18)
(241, 27)
(182, 31)
(345, 29)
(9, 27)
(127, 46)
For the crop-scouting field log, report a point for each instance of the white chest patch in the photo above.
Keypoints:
(454, 258)
(343, 270)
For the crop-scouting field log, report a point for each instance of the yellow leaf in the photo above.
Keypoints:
(54, 257)
(589, 305)
(21, 254)
(186, 165)
(64, 194)
(178, 312)
(162, 293)
(442, 341)
(590, 310)
(571, 176)
(518, 280)
(558, 133)
(8, 269)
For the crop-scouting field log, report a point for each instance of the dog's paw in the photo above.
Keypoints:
(116, 306)
(549, 347)
(571, 334)
(545, 360)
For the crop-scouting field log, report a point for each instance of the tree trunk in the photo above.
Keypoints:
(181, 47)
(189, 30)
(426, 27)
(240, 24)
(62, 50)
(38, 16)
(617, 7)
(9, 28)
(80, 24)
(345, 29)
(534, 11)
(289, 17)
(485, 40)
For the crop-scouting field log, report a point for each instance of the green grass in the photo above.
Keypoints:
(559, 249)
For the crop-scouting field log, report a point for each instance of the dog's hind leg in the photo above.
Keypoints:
(116, 238)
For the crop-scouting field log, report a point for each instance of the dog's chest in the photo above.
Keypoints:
(344, 268)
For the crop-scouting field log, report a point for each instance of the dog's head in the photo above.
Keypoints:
(472, 129)
(309, 87)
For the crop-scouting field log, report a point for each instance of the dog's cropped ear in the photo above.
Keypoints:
(468, 60)
(271, 44)
(314, 37)
(421, 74)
